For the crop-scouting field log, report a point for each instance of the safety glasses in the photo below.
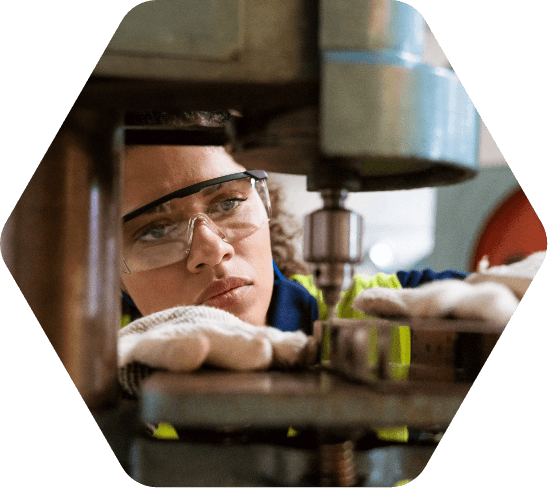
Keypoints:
(160, 233)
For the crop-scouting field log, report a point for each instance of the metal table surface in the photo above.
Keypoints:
(307, 399)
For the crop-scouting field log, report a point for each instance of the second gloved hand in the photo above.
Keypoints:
(446, 298)
(490, 294)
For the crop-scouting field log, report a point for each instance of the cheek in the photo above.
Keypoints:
(158, 289)
(257, 254)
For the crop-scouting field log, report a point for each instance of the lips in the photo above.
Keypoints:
(222, 288)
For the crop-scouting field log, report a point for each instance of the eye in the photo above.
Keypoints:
(156, 232)
(226, 206)
(231, 204)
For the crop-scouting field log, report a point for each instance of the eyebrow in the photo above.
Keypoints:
(209, 190)
(156, 209)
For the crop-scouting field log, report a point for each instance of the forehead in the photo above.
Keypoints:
(154, 171)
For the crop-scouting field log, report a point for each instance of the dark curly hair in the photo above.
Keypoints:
(181, 119)
(284, 232)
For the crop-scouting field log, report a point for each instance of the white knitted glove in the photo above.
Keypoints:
(444, 298)
(515, 276)
(491, 294)
(185, 338)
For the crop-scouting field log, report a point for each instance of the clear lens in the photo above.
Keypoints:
(163, 235)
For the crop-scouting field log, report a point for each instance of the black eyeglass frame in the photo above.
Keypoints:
(192, 189)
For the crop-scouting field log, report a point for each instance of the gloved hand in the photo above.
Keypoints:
(517, 276)
(491, 294)
(185, 338)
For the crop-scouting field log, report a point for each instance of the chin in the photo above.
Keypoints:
(249, 316)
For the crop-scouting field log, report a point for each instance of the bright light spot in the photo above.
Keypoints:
(381, 255)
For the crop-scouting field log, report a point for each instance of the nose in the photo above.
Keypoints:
(207, 248)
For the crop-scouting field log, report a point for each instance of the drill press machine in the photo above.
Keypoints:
(333, 90)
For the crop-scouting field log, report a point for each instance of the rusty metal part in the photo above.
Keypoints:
(337, 464)
(60, 244)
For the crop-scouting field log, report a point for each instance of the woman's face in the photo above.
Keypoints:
(236, 277)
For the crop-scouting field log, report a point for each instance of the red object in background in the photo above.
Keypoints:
(512, 233)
